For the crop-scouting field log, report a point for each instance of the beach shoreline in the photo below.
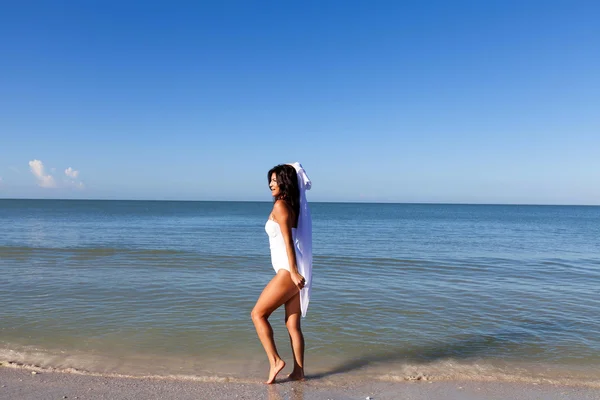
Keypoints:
(24, 382)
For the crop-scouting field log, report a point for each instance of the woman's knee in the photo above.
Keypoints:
(293, 327)
(256, 315)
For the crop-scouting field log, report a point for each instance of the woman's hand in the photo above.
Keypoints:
(298, 280)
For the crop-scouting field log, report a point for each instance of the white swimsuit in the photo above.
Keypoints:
(279, 257)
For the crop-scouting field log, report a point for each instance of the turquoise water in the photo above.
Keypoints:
(166, 288)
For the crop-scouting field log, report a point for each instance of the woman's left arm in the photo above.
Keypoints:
(282, 215)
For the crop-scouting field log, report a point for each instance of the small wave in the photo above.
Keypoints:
(195, 378)
(484, 372)
(102, 251)
(448, 371)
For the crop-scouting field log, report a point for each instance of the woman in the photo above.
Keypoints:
(290, 238)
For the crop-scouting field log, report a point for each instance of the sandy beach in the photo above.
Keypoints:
(24, 383)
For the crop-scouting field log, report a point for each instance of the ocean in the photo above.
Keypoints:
(400, 292)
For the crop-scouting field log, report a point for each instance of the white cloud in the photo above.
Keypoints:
(37, 169)
(72, 180)
(45, 180)
(71, 172)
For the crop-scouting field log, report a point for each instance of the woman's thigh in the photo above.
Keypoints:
(277, 292)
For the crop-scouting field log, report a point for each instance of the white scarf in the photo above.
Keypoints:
(304, 238)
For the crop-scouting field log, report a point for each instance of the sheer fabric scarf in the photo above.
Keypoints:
(304, 238)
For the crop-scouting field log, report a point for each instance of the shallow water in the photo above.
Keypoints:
(400, 290)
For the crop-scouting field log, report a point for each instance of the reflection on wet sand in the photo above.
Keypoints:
(295, 391)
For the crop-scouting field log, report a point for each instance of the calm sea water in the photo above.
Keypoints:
(400, 290)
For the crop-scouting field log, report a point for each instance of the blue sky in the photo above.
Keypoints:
(392, 101)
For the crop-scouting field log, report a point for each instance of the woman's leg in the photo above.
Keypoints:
(277, 292)
(292, 322)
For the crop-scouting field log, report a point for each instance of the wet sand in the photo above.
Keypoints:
(17, 383)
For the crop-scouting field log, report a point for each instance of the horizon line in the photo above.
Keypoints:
(326, 201)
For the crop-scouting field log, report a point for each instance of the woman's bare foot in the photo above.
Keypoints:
(296, 375)
(275, 368)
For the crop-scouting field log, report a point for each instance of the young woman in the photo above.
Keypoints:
(290, 238)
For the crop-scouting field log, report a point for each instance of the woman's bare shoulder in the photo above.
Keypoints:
(281, 210)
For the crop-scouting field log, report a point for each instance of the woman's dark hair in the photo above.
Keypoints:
(287, 179)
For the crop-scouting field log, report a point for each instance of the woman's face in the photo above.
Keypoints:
(275, 192)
